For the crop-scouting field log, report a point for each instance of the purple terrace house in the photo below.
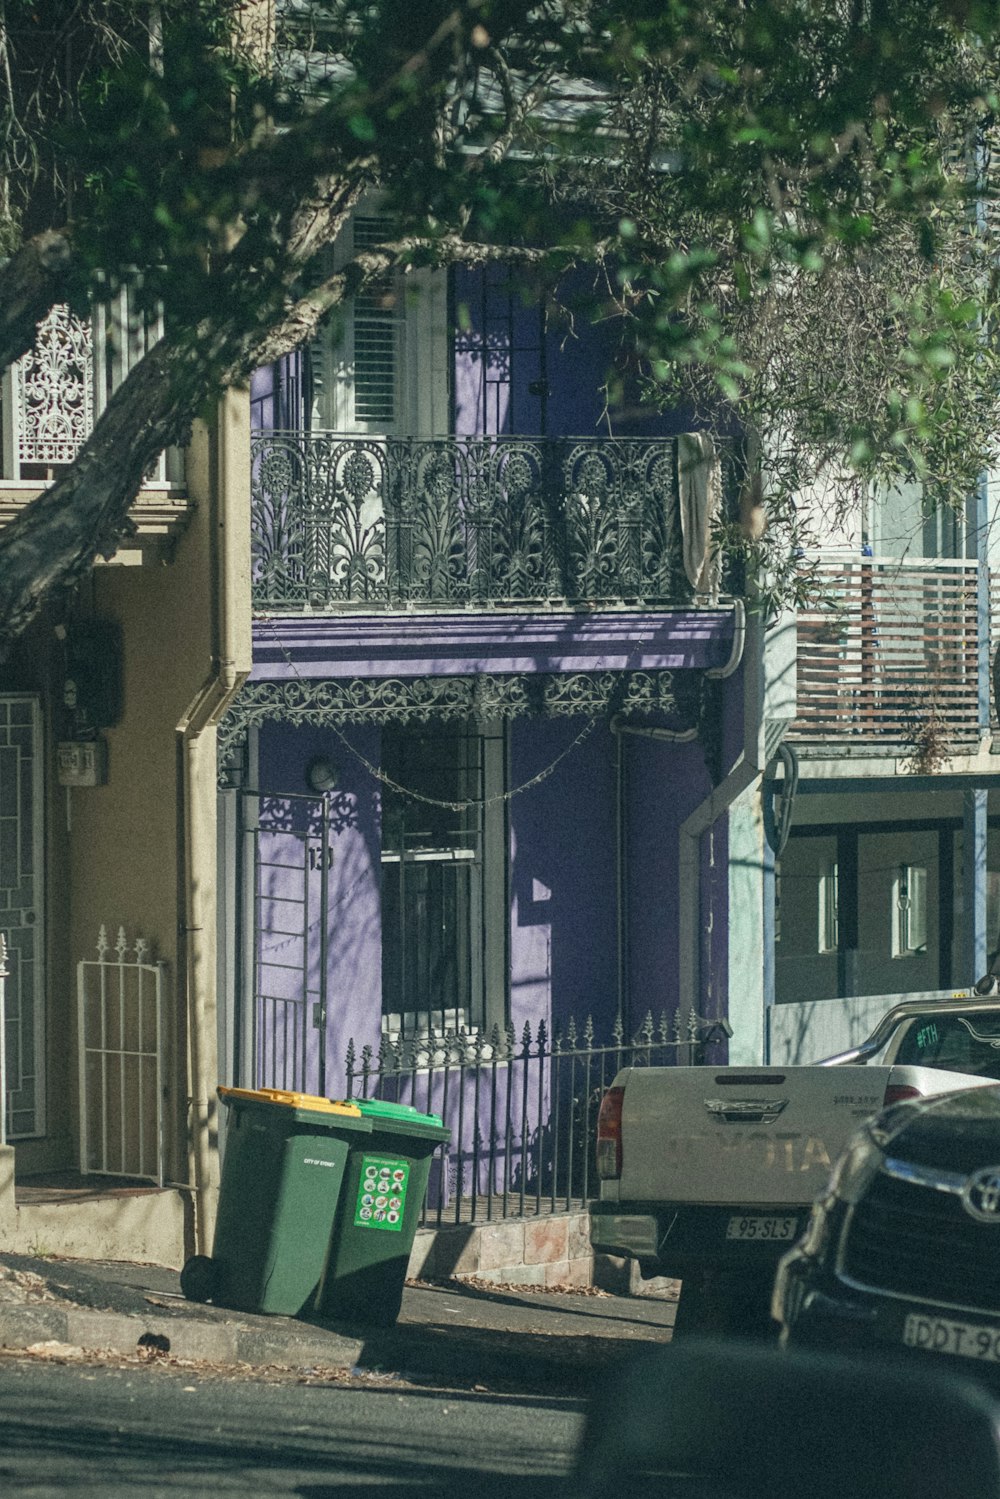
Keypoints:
(497, 670)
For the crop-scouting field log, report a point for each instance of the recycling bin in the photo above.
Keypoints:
(282, 1176)
(381, 1198)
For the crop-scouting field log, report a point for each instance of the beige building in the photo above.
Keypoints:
(108, 708)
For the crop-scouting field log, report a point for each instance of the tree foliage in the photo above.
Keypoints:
(787, 203)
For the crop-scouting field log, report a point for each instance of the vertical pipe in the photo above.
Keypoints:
(258, 1028)
(620, 872)
(974, 935)
(324, 891)
(403, 924)
(769, 915)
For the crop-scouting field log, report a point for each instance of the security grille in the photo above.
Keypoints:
(21, 913)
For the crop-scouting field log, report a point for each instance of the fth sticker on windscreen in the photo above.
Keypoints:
(382, 1193)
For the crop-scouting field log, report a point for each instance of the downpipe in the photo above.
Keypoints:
(197, 771)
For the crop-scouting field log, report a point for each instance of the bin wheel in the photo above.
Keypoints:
(199, 1278)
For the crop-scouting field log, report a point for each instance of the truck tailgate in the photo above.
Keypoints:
(756, 1135)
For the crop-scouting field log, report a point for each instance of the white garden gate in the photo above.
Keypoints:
(122, 1072)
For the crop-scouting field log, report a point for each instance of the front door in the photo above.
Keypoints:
(21, 913)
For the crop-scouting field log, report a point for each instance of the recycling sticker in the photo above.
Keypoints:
(382, 1193)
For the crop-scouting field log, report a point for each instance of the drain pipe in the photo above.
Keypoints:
(228, 504)
(748, 767)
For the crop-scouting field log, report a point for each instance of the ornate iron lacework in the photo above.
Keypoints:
(417, 699)
(464, 521)
(57, 394)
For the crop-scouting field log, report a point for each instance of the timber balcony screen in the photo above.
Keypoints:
(891, 648)
(344, 522)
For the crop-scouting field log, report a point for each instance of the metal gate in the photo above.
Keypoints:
(120, 1006)
(21, 912)
(286, 913)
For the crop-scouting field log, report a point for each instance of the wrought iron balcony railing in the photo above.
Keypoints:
(349, 522)
(892, 652)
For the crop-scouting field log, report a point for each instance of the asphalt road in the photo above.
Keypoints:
(125, 1429)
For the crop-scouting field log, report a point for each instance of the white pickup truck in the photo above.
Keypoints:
(707, 1173)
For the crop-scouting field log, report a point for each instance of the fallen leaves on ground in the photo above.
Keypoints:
(480, 1283)
(23, 1285)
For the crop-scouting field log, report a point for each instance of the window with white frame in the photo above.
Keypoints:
(378, 367)
(909, 911)
(828, 913)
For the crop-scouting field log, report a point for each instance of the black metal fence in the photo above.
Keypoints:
(522, 1111)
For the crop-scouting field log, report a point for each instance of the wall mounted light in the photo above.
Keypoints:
(321, 774)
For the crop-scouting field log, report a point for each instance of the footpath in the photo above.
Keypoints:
(459, 1332)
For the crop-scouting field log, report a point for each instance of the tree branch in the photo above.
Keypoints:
(32, 282)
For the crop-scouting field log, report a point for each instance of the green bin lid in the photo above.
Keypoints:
(399, 1115)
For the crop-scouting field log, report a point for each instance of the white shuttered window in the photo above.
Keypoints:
(379, 366)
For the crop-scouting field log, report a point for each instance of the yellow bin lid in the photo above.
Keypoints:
(291, 1100)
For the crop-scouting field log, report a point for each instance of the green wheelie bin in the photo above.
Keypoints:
(383, 1192)
(281, 1184)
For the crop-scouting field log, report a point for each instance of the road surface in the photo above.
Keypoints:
(121, 1428)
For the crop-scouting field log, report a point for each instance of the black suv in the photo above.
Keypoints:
(902, 1250)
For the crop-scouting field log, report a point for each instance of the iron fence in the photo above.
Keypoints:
(522, 1110)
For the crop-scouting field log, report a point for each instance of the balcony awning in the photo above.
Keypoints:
(379, 646)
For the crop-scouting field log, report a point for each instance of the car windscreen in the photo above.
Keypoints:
(959, 1043)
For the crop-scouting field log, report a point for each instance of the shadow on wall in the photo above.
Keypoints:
(563, 933)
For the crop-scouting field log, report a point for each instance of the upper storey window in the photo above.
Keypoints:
(51, 398)
(379, 366)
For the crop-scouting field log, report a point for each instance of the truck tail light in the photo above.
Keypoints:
(609, 1134)
(898, 1093)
